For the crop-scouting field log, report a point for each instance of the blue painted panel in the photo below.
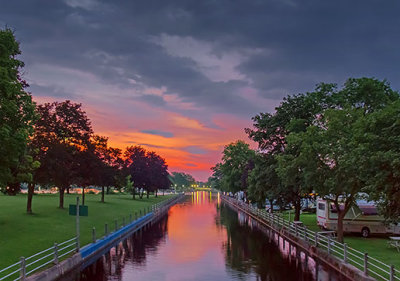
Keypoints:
(91, 248)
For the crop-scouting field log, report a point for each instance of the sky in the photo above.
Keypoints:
(184, 78)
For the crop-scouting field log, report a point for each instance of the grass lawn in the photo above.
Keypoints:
(375, 246)
(23, 235)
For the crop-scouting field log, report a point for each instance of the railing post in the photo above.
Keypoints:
(22, 273)
(366, 263)
(78, 246)
(345, 253)
(316, 239)
(55, 260)
(391, 272)
(106, 229)
(116, 225)
(94, 235)
(329, 244)
(297, 231)
(305, 234)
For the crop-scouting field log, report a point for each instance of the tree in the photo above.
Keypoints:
(263, 180)
(111, 168)
(61, 133)
(330, 155)
(136, 165)
(17, 115)
(129, 185)
(158, 171)
(294, 114)
(215, 180)
(147, 169)
(180, 180)
(98, 165)
(378, 138)
(235, 163)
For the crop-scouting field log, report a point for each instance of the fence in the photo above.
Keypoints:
(369, 265)
(53, 255)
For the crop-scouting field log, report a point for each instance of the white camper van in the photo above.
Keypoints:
(362, 218)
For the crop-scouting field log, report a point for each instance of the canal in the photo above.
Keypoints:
(201, 238)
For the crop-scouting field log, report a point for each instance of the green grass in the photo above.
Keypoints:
(23, 235)
(375, 246)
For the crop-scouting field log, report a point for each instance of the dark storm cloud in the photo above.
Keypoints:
(288, 46)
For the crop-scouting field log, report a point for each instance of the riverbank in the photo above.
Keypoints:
(23, 235)
(376, 246)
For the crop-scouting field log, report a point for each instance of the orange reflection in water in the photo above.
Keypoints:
(192, 232)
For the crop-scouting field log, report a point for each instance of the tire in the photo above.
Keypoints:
(365, 232)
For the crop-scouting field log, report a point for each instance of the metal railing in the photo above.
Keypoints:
(369, 265)
(26, 266)
(59, 251)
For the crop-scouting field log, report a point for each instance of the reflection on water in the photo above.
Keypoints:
(200, 239)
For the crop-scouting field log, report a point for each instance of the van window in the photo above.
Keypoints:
(321, 206)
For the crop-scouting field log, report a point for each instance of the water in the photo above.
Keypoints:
(201, 239)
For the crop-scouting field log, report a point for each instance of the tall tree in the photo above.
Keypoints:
(17, 115)
(61, 133)
(98, 165)
(378, 139)
(215, 180)
(136, 165)
(329, 152)
(147, 169)
(158, 171)
(263, 180)
(235, 163)
(294, 114)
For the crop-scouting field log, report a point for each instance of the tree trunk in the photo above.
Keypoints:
(61, 205)
(102, 194)
(156, 193)
(297, 210)
(163, 192)
(271, 203)
(83, 196)
(339, 230)
(141, 194)
(31, 189)
(108, 190)
(68, 190)
(147, 194)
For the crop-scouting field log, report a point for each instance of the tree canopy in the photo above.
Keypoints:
(17, 116)
(148, 170)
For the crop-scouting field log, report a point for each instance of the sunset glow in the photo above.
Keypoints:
(167, 81)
